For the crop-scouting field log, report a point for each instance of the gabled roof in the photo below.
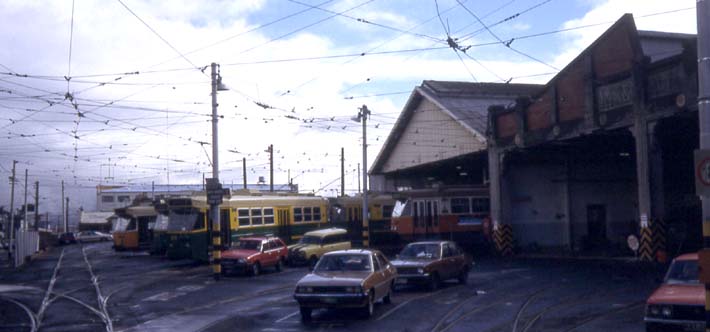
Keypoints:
(465, 102)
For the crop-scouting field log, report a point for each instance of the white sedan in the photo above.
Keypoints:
(92, 236)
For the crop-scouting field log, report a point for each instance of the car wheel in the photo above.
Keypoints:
(369, 308)
(256, 269)
(312, 262)
(463, 277)
(306, 314)
(434, 282)
(388, 298)
(279, 265)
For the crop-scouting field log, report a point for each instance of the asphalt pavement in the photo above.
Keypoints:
(93, 288)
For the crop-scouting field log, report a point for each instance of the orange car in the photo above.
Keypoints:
(679, 303)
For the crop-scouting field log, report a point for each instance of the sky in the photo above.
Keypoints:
(118, 92)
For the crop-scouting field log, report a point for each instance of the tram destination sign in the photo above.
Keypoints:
(215, 192)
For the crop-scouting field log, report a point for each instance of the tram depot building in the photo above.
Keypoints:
(603, 151)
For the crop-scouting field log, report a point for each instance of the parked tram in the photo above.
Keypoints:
(347, 213)
(287, 216)
(457, 214)
(133, 229)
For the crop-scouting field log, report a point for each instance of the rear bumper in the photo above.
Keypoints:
(339, 300)
(660, 324)
(412, 279)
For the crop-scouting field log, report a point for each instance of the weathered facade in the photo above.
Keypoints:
(604, 151)
(439, 139)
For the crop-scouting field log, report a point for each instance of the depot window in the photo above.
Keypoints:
(107, 199)
(124, 199)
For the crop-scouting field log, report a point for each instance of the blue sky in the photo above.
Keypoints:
(150, 124)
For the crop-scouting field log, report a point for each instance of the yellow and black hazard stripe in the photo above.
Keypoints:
(658, 228)
(646, 251)
(503, 238)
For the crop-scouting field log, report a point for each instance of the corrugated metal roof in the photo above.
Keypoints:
(466, 102)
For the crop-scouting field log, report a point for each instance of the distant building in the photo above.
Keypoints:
(96, 221)
(109, 198)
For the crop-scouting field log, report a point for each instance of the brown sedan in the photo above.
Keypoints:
(354, 278)
(429, 263)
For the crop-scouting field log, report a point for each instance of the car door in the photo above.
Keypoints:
(378, 278)
(273, 252)
(449, 262)
(387, 270)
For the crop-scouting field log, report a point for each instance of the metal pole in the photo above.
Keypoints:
(24, 209)
(12, 209)
(64, 216)
(364, 113)
(152, 189)
(244, 171)
(215, 235)
(703, 13)
(271, 168)
(342, 172)
(36, 205)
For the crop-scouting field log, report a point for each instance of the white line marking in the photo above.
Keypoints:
(288, 316)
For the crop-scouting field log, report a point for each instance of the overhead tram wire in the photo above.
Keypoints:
(370, 51)
(506, 43)
(504, 20)
(364, 21)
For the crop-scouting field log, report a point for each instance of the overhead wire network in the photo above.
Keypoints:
(129, 121)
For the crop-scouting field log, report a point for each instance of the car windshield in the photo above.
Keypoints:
(683, 272)
(344, 262)
(308, 239)
(248, 244)
(421, 251)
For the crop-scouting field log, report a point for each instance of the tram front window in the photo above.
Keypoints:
(161, 223)
(123, 224)
(183, 221)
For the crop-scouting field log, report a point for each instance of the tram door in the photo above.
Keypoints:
(284, 223)
(426, 217)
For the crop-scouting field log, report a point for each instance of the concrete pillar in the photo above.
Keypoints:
(502, 230)
(641, 138)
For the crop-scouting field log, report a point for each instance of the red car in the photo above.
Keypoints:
(679, 303)
(252, 254)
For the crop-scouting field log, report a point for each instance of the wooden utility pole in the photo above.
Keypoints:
(342, 171)
(24, 209)
(64, 215)
(271, 168)
(36, 205)
(12, 208)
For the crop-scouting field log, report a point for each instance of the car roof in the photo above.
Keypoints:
(693, 256)
(326, 231)
(430, 242)
(352, 251)
(258, 238)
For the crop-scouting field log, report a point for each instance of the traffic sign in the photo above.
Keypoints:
(702, 172)
(215, 192)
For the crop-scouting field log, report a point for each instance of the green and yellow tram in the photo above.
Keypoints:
(286, 216)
